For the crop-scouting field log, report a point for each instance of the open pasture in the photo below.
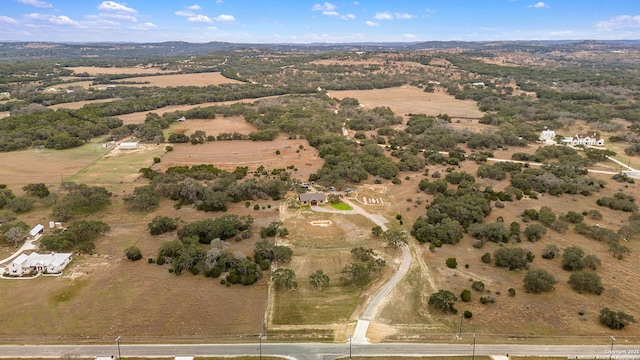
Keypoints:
(138, 117)
(94, 70)
(46, 165)
(230, 154)
(79, 104)
(196, 79)
(412, 100)
(215, 126)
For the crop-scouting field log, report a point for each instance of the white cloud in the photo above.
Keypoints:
(403, 16)
(7, 20)
(36, 3)
(330, 13)
(200, 18)
(62, 20)
(35, 16)
(384, 16)
(348, 17)
(539, 5)
(119, 16)
(371, 23)
(409, 36)
(356, 3)
(620, 22)
(327, 6)
(184, 13)
(115, 6)
(225, 18)
(562, 32)
(145, 26)
(194, 7)
(218, 2)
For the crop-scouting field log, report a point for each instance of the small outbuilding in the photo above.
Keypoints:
(36, 231)
(128, 145)
(181, 119)
(313, 199)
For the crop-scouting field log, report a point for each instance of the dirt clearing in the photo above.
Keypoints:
(412, 100)
(230, 154)
(198, 79)
(79, 104)
(93, 70)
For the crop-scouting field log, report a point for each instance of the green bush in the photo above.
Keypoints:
(465, 295)
(468, 314)
(615, 320)
(452, 263)
(486, 258)
(133, 253)
(512, 292)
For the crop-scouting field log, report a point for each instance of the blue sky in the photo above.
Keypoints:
(300, 21)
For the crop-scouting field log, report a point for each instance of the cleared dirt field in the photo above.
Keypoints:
(215, 126)
(230, 154)
(199, 79)
(138, 117)
(409, 99)
(93, 71)
(80, 104)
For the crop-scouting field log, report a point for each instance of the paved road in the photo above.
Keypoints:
(312, 351)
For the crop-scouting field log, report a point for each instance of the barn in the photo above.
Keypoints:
(128, 146)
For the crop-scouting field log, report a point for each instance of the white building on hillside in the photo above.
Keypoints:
(584, 140)
(548, 136)
(52, 263)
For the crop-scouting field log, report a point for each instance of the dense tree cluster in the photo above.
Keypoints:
(78, 236)
(80, 199)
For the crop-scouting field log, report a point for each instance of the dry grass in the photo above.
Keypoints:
(93, 70)
(138, 117)
(230, 154)
(197, 79)
(79, 104)
(409, 99)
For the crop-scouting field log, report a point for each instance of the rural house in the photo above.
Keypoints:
(312, 199)
(548, 136)
(52, 263)
(584, 139)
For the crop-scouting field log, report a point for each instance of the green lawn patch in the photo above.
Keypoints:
(341, 206)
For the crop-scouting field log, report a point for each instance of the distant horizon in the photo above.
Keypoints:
(328, 43)
(306, 22)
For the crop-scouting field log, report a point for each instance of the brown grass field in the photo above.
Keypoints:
(197, 79)
(93, 70)
(138, 117)
(79, 104)
(412, 100)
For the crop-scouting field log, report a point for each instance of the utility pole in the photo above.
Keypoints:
(460, 328)
(118, 342)
(349, 347)
(260, 337)
(473, 354)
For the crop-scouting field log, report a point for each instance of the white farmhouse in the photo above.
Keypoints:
(52, 263)
(585, 140)
(548, 136)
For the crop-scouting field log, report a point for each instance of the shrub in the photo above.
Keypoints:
(572, 259)
(510, 258)
(133, 253)
(162, 224)
(586, 281)
(161, 260)
(534, 232)
(550, 252)
(156, 160)
(443, 300)
(256, 207)
(468, 314)
(539, 280)
(487, 299)
(486, 258)
(465, 295)
(168, 148)
(452, 263)
(615, 320)
(512, 292)
(477, 285)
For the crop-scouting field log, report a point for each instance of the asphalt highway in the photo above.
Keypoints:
(324, 351)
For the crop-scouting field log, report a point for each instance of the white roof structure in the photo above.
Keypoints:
(128, 145)
(36, 229)
(42, 260)
(184, 358)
